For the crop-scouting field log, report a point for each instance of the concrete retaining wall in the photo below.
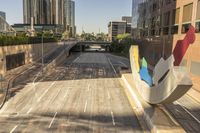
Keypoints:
(32, 52)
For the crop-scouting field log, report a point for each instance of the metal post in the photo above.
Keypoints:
(42, 51)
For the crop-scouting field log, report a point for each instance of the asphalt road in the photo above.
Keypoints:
(82, 95)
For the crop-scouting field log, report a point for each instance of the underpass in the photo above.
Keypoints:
(81, 95)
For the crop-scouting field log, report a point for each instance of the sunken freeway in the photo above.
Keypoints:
(83, 94)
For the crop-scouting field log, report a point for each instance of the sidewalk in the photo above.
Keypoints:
(195, 91)
(155, 117)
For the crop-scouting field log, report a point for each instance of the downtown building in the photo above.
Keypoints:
(2, 21)
(5, 28)
(116, 28)
(38, 10)
(69, 17)
(50, 13)
(157, 25)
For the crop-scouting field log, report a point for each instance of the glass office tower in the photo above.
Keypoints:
(69, 17)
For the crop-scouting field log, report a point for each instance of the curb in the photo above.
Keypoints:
(143, 118)
(152, 118)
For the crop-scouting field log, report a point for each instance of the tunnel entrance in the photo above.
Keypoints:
(90, 48)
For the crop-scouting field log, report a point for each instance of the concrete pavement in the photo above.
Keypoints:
(82, 95)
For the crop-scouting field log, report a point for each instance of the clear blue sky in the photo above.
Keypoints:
(91, 15)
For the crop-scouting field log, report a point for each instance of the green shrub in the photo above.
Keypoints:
(19, 40)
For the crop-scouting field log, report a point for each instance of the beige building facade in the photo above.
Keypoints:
(157, 25)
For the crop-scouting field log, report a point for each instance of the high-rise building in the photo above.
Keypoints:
(157, 25)
(3, 15)
(69, 17)
(2, 21)
(5, 28)
(56, 12)
(39, 10)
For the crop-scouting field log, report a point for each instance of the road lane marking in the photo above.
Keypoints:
(108, 94)
(66, 94)
(45, 92)
(113, 118)
(88, 87)
(112, 66)
(184, 108)
(85, 106)
(14, 129)
(53, 120)
(29, 110)
(76, 59)
(123, 64)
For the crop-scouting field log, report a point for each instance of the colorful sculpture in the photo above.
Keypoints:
(144, 73)
(170, 81)
(182, 46)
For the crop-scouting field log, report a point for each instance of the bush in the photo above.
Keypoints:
(122, 44)
(19, 40)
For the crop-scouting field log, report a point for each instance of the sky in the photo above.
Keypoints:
(91, 15)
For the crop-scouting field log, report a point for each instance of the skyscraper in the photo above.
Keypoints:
(57, 12)
(39, 10)
(3, 15)
(69, 17)
(2, 21)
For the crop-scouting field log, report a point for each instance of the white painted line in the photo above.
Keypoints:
(76, 59)
(29, 110)
(123, 64)
(108, 94)
(112, 66)
(88, 87)
(184, 108)
(85, 106)
(53, 120)
(14, 129)
(66, 94)
(45, 92)
(113, 118)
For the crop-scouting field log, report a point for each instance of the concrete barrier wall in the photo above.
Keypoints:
(32, 52)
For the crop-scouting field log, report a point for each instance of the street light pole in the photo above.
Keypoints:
(42, 51)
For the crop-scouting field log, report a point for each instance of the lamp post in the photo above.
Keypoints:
(42, 51)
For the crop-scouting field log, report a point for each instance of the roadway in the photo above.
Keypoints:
(81, 95)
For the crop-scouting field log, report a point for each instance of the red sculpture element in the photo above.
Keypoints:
(182, 46)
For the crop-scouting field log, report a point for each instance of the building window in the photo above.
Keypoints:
(166, 18)
(175, 16)
(167, 2)
(195, 68)
(197, 27)
(198, 17)
(185, 27)
(165, 30)
(198, 10)
(174, 29)
(187, 13)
